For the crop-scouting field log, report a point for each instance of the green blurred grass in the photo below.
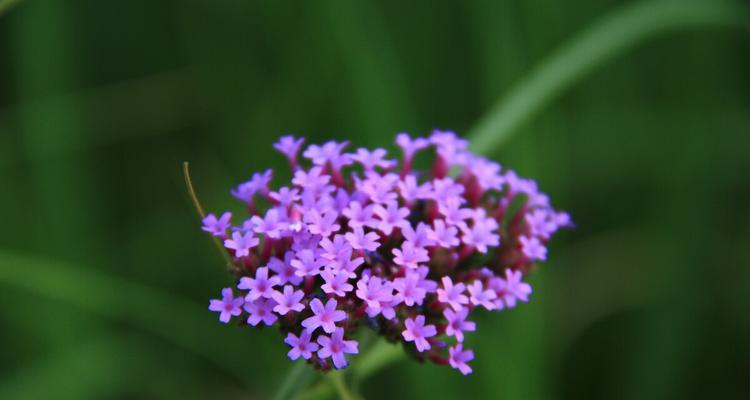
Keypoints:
(104, 272)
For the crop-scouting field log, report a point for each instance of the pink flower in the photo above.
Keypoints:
(457, 323)
(533, 248)
(359, 240)
(241, 243)
(416, 331)
(459, 358)
(217, 227)
(301, 346)
(410, 256)
(228, 306)
(336, 283)
(260, 310)
(481, 297)
(288, 301)
(261, 286)
(324, 316)
(452, 295)
(335, 347)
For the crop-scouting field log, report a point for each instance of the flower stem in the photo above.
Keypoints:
(337, 379)
(202, 214)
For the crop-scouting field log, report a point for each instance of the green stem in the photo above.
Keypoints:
(299, 373)
(202, 214)
(613, 35)
(337, 379)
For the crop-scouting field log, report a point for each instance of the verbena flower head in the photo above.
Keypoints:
(361, 240)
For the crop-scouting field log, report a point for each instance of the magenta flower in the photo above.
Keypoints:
(301, 346)
(287, 301)
(359, 216)
(241, 243)
(409, 289)
(261, 286)
(335, 347)
(323, 224)
(306, 263)
(391, 217)
(510, 289)
(366, 240)
(260, 310)
(284, 269)
(359, 240)
(457, 323)
(442, 235)
(533, 248)
(416, 331)
(410, 146)
(217, 227)
(228, 306)
(371, 160)
(478, 296)
(375, 294)
(420, 236)
(459, 358)
(409, 256)
(451, 294)
(324, 316)
(271, 225)
(336, 283)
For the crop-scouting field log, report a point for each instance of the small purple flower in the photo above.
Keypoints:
(329, 153)
(453, 213)
(289, 146)
(408, 289)
(257, 184)
(285, 196)
(228, 306)
(391, 217)
(306, 263)
(379, 188)
(410, 146)
(533, 248)
(288, 301)
(335, 347)
(241, 243)
(457, 323)
(420, 236)
(348, 265)
(409, 256)
(481, 235)
(217, 227)
(448, 145)
(322, 224)
(452, 295)
(261, 286)
(312, 180)
(416, 331)
(301, 346)
(510, 289)
(359, 240)
(481, 297)
(271, 225)
(359, 216)
(324, 316)
(375, 292)
(336, 283)
(260, 310)
(284, 269)
(541, 223)
(371, 160)
(442, 235)
(411, 191)
(459, 358)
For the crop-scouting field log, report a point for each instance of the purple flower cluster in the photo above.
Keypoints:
(353, 240)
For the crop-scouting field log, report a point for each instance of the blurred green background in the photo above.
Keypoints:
(105, 274)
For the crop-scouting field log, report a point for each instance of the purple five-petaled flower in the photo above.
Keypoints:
(228, 307)
(416, 331)
(325, 316)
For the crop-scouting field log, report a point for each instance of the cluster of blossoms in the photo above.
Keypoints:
(354, 241)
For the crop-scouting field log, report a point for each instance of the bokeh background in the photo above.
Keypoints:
(105, 274)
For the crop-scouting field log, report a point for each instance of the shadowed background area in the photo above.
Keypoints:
(105, 274)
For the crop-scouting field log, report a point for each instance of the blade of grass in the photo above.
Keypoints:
(7, 5)
(613, 35)
(178, 320)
